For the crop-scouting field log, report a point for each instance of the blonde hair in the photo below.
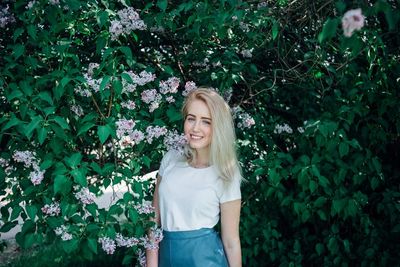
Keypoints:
(222, 148)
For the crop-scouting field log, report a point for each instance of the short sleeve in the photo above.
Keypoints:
(231, 191)
(167, 161)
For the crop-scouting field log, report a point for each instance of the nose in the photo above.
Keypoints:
(195, 126)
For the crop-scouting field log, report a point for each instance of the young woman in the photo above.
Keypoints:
(196, 190)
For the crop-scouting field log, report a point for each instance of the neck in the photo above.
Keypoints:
(202, 158)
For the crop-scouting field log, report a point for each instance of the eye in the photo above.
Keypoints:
(207, 122)
(190, 119)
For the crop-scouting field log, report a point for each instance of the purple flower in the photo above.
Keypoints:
(107, 244)
(352, 20)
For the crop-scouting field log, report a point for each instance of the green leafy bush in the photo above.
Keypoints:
(316, 113)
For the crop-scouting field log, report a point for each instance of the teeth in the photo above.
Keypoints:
(195, 137)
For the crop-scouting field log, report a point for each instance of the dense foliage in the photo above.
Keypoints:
(91, 91)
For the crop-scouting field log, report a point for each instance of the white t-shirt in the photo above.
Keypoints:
(190, 198)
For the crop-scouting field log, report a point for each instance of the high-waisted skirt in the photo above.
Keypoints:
(197, 248)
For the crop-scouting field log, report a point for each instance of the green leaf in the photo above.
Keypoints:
(18, 50)
(162, 4)
(104, 132)
(85, 127)
(11, 123)
(32, 125)
(104, 82)
(313, 186)
(173, 114)
(275, 30)
(8, 226)
(328, 30)
(79, 176)
(319, 202)
(62, 185)
(42, 134)
(117, 86)
(46, 96)
(31, 211)
(133, 215)
(92, 244)
(70, 245)
(343, 149)
(74, 160)
(127, 52)
(319, 248)
(15, 212)
(62, 122)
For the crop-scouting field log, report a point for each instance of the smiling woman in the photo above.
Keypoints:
(195, 190)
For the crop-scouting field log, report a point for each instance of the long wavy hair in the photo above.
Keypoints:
(222, 148)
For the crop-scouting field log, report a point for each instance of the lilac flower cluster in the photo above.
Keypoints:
(29, 160)
(143, 78)
(129, 20)
(54, 2)
(353, 20)
(175, 141)
(128, 105)
(30, 4)
(245, 120)
(107, 244)
(62, 231)
(247, 53)
(284, 128)
(142, 258)
(169, 86)
(78, 110)
(189, 86)
(85, 196)
(145, 208)
(93, 84)
(5, 163)
(126, 241)
(155, 132)
(124, 127)
(52, 210)
(151, 97)
(156, 235)
(6, 17)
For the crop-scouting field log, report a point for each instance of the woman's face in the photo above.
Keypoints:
(198, 125)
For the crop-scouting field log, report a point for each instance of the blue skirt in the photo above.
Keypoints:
(197, 248)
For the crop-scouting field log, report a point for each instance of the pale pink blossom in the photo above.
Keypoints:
(129, 105)
(352, 20)
(189, 86)
(137, 136)
(145, 208)
(52, 210)
(107, 244)
(169, 86)
(124, 127)
(175, 141)
(155, 132)
(6, 17)
(122, 241)
(149, 95)
(78, 110)
(284, 128)
(129, 20)
(85, 196)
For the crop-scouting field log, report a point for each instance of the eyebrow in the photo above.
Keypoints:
(195, 116)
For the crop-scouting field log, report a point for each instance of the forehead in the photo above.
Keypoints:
(198, 108)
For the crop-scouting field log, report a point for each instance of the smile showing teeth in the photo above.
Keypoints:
(195, 137)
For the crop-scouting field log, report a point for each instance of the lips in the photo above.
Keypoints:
(195, 137)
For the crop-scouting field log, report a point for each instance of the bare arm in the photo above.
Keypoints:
(230, 218)
(152, 254)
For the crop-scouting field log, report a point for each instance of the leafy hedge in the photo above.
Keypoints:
(91, 92)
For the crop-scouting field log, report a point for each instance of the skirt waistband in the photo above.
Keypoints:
(187, 234)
